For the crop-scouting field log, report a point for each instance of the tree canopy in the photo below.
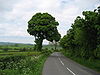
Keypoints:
(43, 26)
(83, 39)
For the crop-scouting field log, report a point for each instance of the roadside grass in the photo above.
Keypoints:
(22, 65)
(16, 62)
(93, 64)
(40, 65)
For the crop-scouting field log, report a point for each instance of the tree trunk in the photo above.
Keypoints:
(55, 45)
(38, 42)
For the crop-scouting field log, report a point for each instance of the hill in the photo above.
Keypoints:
(10, 43)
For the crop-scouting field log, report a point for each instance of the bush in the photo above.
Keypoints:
(97, 52)
(22, 65)
(10, 61)
(47, 52)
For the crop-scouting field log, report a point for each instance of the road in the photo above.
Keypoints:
(57, 64)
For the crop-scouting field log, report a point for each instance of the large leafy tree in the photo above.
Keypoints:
(43, 26)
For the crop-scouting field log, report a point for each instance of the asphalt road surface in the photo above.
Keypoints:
(57, 64)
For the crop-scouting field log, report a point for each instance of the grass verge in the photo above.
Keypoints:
(93, 64)
(22, 65)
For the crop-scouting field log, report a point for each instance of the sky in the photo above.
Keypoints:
(14, 15)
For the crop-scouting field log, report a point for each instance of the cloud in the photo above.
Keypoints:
(14, 15)
(17, 39)
(6, 6)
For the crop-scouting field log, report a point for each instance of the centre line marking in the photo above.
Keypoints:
(66, 67)
(61, 61)
(71, 71)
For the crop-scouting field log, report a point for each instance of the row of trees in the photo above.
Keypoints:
(83, 39)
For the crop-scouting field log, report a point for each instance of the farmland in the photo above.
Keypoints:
(66, 35)
(21, 59)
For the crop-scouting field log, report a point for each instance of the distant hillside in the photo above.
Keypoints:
(10, 43)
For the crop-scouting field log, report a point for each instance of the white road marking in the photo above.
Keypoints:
(66, 67)
(61, 61)
(70, 71)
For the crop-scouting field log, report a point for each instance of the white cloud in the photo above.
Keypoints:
(16, 14)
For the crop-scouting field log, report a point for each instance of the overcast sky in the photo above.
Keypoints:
(14, 15)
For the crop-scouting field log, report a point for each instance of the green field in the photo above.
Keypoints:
(16, 47)
(22, 59)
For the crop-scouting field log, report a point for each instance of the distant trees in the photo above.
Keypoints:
(55, 44)
(83, 39)
(43, 26)
(16, 45)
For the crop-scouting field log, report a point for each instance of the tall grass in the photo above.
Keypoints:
(93, 64)
(22, 65)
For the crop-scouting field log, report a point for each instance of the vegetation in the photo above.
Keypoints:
(25, 48)
(82, 42)
(16, 47)
(43, 26)
(94, 64)
(22, 59)
(22, 63)
(5, 54)
(52, 47)
(83, 39)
